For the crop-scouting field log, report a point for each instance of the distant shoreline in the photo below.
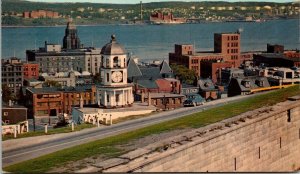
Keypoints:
(91, 25)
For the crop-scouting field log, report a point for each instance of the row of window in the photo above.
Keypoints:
(233, 44)
(232, 51)
(11, 74)
(116, 62)
(12, 69)
(60, 58)
(232, 38)
(194, 61)
(62, 64)
(33, 73)
(32, 69)
(11, 80)
(234, 57)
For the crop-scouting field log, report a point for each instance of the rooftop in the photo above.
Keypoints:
(55, 89)
(163, 95)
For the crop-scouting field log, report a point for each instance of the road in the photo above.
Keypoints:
(38, 148)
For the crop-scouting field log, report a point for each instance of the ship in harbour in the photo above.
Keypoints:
(168, 18)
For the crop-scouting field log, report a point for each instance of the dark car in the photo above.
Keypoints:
(193, 100)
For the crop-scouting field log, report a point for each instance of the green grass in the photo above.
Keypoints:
(50, 131)
(107, 146)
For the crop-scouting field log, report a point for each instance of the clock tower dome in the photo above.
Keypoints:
(114, 91)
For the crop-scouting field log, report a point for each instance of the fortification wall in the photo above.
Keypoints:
(267, 139)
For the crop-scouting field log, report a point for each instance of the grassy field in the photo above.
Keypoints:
(108, 145)
(50, 131)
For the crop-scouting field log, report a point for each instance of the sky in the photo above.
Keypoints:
(145, 1)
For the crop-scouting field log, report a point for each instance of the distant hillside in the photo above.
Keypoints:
(88, 13)
(65, 8)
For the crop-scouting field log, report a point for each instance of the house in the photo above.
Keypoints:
(47, 103)
(283, 76)
(14, 118)
(164, 101)
(189, 89)
(152, 78)
(246, 85)
(207, 89)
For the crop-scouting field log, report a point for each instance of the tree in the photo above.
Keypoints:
(6, 94)
(184, 74)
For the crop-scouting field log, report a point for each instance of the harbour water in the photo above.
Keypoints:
(150, 42)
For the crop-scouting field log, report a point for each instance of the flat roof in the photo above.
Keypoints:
(65, 89)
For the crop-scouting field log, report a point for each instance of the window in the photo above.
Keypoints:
(102, 61)
(258, 152)
(117, 97)
(5, 113)
(116, 61)
(107, 62)
(107, 98)
(107, 77)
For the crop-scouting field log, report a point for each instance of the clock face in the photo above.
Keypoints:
(117, 76)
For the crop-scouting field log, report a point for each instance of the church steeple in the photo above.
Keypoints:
(71, 39)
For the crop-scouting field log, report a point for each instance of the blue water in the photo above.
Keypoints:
(155, 41)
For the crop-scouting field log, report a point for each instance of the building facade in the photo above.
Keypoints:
(114, 90)
(53, 58)
(228, 44)
(30, 70)
(40, 14)
(226, 54)
(71, 39)
(50, 101)
(12, 74)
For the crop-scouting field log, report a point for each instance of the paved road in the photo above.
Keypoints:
(19, 154)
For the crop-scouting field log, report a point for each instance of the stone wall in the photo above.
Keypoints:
(267, 139)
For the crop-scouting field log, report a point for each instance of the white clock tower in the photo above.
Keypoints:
(114, 90)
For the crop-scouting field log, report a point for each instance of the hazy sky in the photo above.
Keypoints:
(145, 1)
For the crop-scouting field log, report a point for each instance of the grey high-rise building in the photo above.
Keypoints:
(71, 39)
(53, 58)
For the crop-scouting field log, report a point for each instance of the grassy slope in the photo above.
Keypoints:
(107, 146)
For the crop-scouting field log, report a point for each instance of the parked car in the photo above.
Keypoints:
(193, 100)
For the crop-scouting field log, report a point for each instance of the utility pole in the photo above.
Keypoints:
(141, 11)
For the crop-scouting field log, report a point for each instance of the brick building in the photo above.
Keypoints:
(12, 74)
(228, 44)
(50, 102)
(30, 70)
(165, 101)
(40, 14)
(213, 70)
(275, 48)
(276, 60)
(13, 114)
(226, 54)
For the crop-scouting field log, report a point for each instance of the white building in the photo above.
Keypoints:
(114, 90)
